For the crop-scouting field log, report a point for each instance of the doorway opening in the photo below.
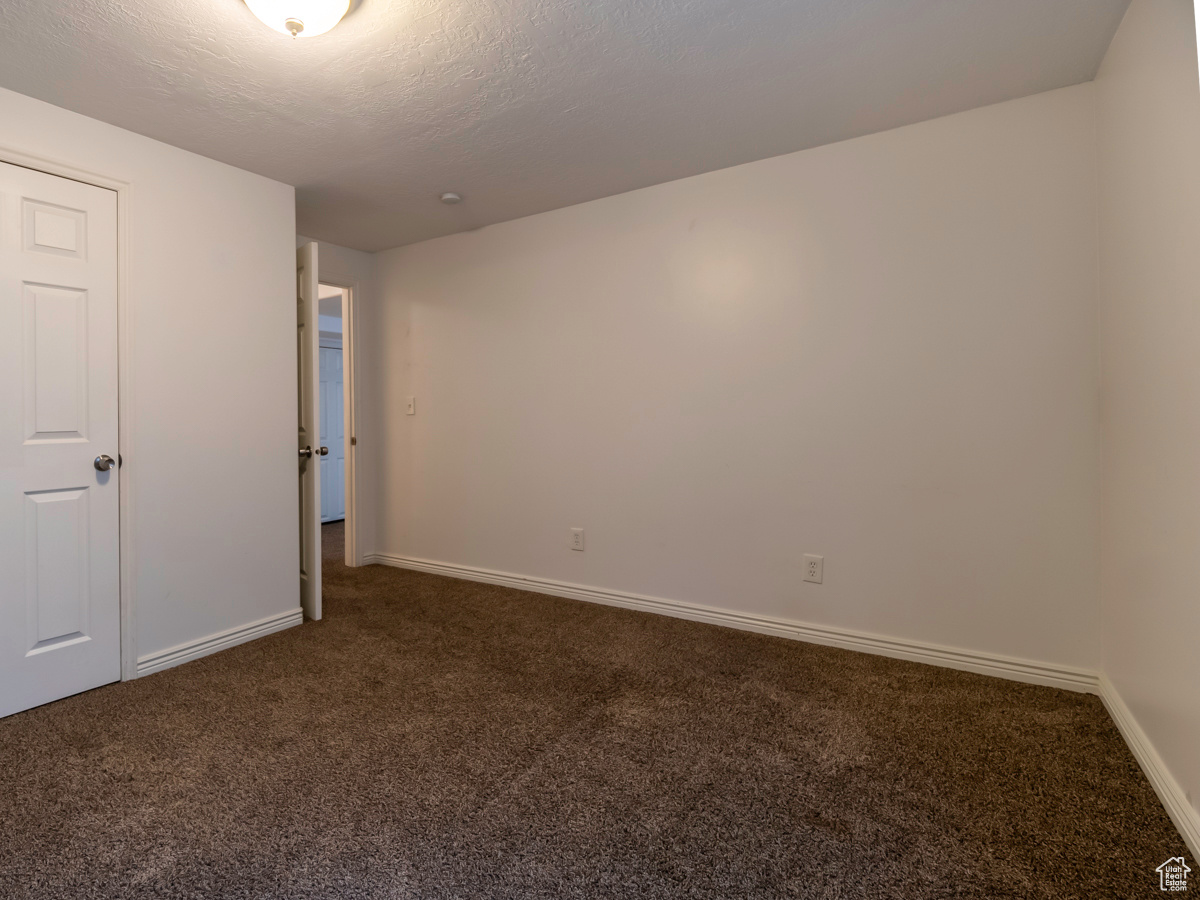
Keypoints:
(336, 433)
(325, 425)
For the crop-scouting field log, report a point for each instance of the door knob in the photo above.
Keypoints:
(324, 451)
(306, 453)
(103, 462)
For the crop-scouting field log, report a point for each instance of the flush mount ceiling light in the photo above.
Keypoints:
(300, 18)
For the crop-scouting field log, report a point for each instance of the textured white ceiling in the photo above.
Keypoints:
(529, 105)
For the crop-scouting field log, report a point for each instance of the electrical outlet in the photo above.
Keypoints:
(814, 568)
(412, 407)
(575, 541)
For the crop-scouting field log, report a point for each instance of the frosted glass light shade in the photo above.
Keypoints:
(300, 18)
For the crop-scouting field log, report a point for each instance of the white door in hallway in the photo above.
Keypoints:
(333, 466)
(308, 428)
(60, 616)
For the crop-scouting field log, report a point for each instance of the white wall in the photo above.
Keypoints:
(212, 455)
(343, 267)
(1149, 118)
(883, 351)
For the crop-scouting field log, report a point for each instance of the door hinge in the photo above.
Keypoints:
(353, 441)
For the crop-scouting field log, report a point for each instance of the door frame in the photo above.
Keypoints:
(350, 288)
(124, 191)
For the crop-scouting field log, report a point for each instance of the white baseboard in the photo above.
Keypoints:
(165, 659)
(1012, 668)
(1173, 798)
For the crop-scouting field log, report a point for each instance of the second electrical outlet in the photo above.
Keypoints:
(575, 539)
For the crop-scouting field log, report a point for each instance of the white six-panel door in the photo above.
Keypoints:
(333, 466)
(59, 515)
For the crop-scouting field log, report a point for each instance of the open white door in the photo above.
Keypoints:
(60, 600)
(309, 431)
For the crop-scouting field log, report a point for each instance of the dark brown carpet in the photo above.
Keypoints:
(434, 738)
